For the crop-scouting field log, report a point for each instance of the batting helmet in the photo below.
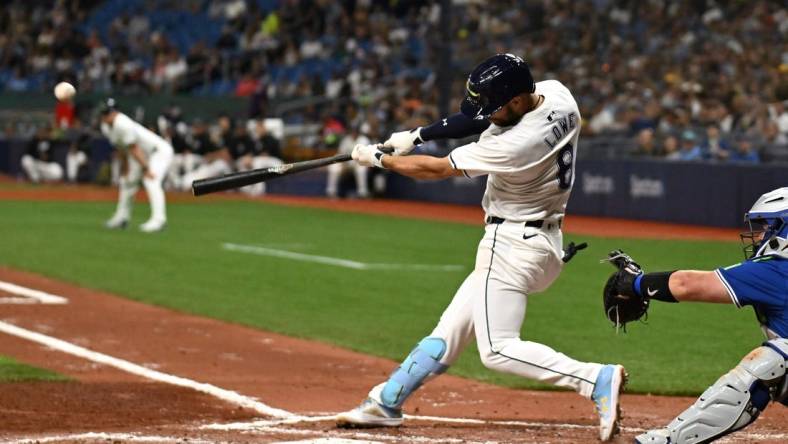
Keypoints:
(493, 83)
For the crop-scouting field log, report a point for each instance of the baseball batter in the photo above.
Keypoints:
(529, 137)
(148, 158)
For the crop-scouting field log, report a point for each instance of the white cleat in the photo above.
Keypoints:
(117, 222)
(153, 226)
(370, 414)
(607, 392)
(656, 436)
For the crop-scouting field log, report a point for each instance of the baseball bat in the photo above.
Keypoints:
(244, 178)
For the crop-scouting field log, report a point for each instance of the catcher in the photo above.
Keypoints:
(761, 281)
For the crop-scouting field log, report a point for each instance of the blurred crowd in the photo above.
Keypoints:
(689, 80)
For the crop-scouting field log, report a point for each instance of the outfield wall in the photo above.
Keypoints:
(681, 192)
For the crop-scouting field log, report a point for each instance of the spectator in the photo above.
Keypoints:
(690, 150)
(745, 152)
(37, 162)
(332, 131)
(715, 147)
(778, 114)
(671, 148)
(65, 114)
(646, 145)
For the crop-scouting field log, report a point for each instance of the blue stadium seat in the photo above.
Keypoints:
(182, 28)
(267, 5)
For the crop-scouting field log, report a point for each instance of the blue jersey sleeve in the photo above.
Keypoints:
(761, 282)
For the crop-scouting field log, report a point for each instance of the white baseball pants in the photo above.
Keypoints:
(74, 160)
(212, 168)
(335, 171)
(258, 162)
(490, 305)
(159, 165)
(182, 164)
(38, 170)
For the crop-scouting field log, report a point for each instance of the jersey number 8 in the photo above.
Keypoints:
(565, 170)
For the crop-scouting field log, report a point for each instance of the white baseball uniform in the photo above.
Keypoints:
(123, 133)
(38, 163)
(530, 169)
(335, 170)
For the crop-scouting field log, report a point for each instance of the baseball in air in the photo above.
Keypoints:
(65, 91)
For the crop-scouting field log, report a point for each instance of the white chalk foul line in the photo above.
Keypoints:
(334, 261)
(29, 296)
(67, 347)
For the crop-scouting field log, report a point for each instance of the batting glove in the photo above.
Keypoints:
(368, 155)
(403, 142)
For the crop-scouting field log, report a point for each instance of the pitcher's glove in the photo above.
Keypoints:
(622, 303)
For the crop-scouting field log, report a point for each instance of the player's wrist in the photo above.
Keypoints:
(655, 286)
(377, 159)
(636, 285)
(417, 138)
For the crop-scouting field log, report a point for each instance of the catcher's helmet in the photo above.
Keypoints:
(770, 211)
(107, 105)
(493, 83)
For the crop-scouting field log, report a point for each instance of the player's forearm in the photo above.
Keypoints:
(138, 155)
(420, 166)
(698, 286)
(681, 286)
(456, 126)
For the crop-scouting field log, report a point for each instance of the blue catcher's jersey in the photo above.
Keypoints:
(761, 282)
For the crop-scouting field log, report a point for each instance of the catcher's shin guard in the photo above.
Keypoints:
(422, 362)
(733, 402)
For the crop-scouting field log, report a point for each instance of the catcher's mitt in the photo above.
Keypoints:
(622, 304)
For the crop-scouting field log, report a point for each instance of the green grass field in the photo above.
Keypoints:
(682, 350)
(12, 371)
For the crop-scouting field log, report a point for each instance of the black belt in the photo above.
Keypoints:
(531, 223)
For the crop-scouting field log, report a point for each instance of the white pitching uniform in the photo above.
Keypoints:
(530, 169)
(124, 133)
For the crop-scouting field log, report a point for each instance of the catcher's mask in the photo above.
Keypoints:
(767, 223)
